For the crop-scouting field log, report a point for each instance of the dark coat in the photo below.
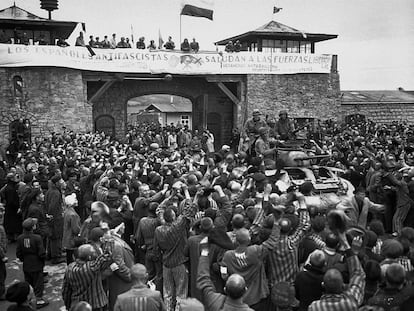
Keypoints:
(12, 220)
(308, 286)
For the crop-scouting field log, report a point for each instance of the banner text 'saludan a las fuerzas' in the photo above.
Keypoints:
(161, 61)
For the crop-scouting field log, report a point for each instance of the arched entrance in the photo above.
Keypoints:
(207, 95)
(106, 124)
(20, 131)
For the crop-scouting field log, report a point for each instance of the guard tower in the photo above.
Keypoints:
(21, 26)
(278, 38)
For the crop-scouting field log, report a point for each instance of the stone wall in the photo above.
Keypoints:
(382, 113)
(51, 98)
(303, 95)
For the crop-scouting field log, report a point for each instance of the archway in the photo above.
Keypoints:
(111, 98)
(160, 109)
(106, 124)
(20, 131)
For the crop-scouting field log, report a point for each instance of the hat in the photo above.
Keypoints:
(71, 200)
(29, 223)
(225, 147)
(18, 292)
(256, 112)
(283, 112)
(56, 178)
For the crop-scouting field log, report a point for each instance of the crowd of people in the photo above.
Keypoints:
(165, 220)
(124, 42)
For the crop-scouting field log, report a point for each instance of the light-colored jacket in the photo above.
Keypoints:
(71, 227)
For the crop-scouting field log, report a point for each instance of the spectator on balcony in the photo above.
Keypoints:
(42, 40)
(24, 39)
(169, 45)
(194, 46)
(3, 37)
(229, 47)
(62, 42)
(98, 43)
(79, 40)
(105, 44)
(122, 44)
(91, 42)
(185, 46)
(237, 46)
(152, 46)
(112, 42)
(141, 43)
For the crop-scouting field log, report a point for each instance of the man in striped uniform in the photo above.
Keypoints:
(83, 280)
(335, 297)
(170, 240)
(139, 297)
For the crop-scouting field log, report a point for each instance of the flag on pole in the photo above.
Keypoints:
(132, 35)
(160, 40)
(276, 9)
(83, 27)
(198, 8)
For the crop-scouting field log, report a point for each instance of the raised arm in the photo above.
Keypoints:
(304, 221)
(204, 283)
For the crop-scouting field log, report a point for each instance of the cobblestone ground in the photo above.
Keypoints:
(52, 287)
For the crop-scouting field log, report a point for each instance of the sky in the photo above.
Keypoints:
(375, 44)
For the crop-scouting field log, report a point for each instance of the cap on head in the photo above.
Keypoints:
(283, 112)
(256, 112)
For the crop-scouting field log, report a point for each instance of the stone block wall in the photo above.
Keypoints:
(51, 98)
(303, 95)
(382, 113)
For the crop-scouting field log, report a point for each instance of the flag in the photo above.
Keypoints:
(91, 52)
(160, 41)
(198, 8)
(132, 35)
(276, 9)
(83, 27)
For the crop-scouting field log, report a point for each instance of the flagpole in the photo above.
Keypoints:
(179, 44)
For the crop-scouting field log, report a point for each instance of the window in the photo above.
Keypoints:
(18, 86)
(305, 47)
(293, 46)
(185, 120)
(276, 46)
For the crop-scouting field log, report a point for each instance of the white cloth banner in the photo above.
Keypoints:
(142, 61)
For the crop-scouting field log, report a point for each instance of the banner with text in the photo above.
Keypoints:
(142, 61)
